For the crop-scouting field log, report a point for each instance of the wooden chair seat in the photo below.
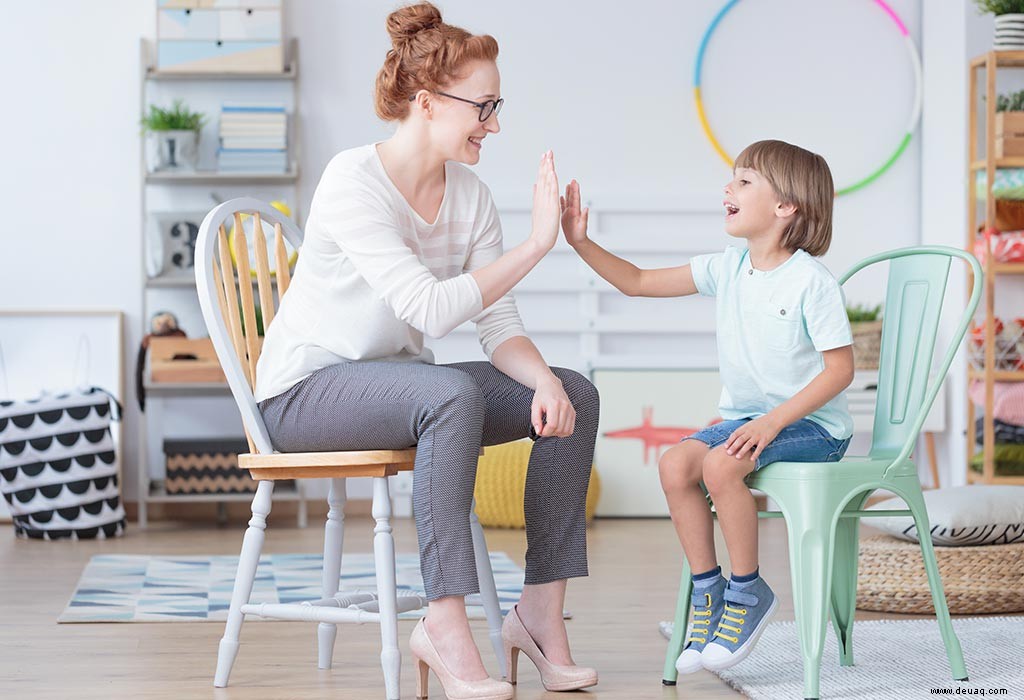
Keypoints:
(333, 465)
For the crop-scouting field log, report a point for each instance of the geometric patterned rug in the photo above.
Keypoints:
(897, 659)
(142, 588)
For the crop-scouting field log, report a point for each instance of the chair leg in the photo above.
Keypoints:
(915, 500)
(334, 538)
(845, 561)
(387, 595)
(488, 591)
(811, 555)
(248, 560)
(682, 619)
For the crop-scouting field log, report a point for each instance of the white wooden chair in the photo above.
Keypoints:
(228, 305)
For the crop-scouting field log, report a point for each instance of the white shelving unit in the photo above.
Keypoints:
(202, 91)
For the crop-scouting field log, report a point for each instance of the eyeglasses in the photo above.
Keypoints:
(486, 108)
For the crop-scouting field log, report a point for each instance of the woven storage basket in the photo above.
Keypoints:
(867, 344)
(501, 485)
(977, 580)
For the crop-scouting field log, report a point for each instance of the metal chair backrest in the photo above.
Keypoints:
(910, 323)
(227, 300)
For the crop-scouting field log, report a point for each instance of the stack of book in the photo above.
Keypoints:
(253, 138)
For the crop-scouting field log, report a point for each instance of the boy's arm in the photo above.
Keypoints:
(631, 280)
(834, 378)
(624, 275)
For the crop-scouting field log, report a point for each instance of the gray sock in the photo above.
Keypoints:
(701, 584)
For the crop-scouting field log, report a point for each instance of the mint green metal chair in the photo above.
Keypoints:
(822, 502)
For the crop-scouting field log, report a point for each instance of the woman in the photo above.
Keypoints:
(403, 242)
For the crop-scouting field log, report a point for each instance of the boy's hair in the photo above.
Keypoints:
(800, 178)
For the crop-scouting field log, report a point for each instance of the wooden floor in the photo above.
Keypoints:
(634, 573)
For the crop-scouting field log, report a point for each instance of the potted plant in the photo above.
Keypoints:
(1010, 124)
(1009, 35)
(866, 324)
(173, 137)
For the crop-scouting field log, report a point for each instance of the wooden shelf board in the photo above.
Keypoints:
(999, 376)
(158, 494)
(210, 177)
(974, 477)
(187, 389)
(1009, 162)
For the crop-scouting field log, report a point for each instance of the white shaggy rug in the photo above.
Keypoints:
(897, 659)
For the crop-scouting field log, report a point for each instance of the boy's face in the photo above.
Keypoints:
(751, 206)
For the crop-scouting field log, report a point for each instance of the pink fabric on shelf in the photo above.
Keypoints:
(1007, 400)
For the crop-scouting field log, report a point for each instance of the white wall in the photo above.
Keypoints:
(609, 89)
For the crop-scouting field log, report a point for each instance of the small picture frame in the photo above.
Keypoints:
(644, 412)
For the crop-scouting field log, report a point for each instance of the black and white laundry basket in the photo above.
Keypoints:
(58, 466)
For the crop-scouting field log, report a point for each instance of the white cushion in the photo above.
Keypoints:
(962, 515)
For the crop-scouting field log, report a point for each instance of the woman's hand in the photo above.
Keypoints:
(574, 220)
(545, 204)
(753, 436)
(552, 414)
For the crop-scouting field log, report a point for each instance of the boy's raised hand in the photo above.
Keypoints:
(574, 220)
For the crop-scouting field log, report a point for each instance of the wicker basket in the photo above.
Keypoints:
(977, 580)
(867, 344)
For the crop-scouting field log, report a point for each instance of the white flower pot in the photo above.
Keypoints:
(1009, 34)
(172, 150)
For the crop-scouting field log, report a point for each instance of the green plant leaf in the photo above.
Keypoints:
(176, 117)
(858, 313)
(1000, 7)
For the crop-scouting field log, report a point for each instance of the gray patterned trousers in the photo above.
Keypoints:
(447, 412)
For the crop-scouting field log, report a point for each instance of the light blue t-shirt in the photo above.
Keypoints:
(772, 328)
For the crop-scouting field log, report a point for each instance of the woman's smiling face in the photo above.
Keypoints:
(455, 125)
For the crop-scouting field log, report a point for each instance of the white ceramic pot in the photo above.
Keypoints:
(1009, 34)
(172, 150)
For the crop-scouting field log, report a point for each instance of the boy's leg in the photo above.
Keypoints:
(749, 602)
(680, 471)
(737, 510)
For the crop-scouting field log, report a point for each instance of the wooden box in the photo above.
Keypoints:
(226, 37)
(183, 360)
(1009, 134)
(206, 466)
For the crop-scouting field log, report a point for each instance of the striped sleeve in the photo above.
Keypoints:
(363, 225)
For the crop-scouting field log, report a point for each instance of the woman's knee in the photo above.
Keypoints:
(581, 391)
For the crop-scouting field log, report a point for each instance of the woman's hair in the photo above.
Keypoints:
(800, 178)
(426, 54)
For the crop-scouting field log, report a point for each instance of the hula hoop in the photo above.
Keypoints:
(915, 116)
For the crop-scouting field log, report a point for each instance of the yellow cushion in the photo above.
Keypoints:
(501, 483)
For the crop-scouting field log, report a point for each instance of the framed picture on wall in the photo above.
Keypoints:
(644, 413)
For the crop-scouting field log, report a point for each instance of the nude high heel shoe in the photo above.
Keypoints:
(554, 677)
(427, 658)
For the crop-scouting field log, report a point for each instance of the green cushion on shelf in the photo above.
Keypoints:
(1009, 460)
(1009, 183)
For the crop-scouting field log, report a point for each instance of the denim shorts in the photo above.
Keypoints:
(803, 441)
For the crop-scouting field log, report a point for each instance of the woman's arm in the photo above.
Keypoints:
(622, 274)
(552, 414)
(499, 277)
(363, 226)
